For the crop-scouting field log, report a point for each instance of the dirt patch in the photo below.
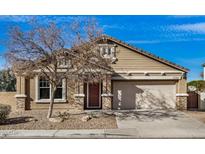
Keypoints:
(36, 120)
(200, 115)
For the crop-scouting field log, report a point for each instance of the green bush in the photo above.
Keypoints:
(4, 111)
(198, 84)
(7, 80)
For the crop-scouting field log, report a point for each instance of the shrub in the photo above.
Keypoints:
(4, 111)
(7, 80)
(198, 84)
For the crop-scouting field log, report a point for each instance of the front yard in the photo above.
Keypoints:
(36, 120)
(102, 124)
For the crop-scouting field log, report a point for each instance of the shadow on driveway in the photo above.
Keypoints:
(148, 115)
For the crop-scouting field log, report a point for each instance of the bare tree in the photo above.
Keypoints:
(42, 49)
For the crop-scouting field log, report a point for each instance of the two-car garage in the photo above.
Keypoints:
(143, 94)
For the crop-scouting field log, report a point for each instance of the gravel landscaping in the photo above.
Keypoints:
(32, 120)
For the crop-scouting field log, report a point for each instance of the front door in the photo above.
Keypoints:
(93, 97)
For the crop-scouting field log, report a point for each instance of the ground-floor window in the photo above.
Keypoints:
(44, 90)
(59, 91)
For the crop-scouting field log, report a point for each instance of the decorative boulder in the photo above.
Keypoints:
(86, 118)
(31, 119)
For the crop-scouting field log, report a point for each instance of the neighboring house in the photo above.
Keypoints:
(140, 81)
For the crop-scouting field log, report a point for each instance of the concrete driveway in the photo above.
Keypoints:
(159, 124)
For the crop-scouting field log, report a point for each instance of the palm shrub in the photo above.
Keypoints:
(4, 112)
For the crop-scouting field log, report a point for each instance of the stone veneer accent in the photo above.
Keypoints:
(106, 103)
(181, 102)
(75, 107)
(20, 102)
(106, 94)
(79, 103)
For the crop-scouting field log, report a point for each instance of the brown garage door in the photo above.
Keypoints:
(143, 94)
(192, 102)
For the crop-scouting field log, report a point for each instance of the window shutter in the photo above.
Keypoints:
(112, 52)
(107, 50)
(101, 51)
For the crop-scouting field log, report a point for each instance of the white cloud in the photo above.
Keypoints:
(164, 41)
(143, 41)
(196, 27)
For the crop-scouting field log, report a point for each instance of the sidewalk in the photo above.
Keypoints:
(95, 133)
(125, 133)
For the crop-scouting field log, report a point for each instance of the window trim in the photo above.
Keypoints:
(37, 92)
(64, 63)
(39, 89)
(110, 47)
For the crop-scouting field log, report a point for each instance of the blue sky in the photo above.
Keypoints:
(180, 39)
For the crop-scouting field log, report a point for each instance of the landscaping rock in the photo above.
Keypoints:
(96, 114)
(118, 114)
(56, 120)
(31, 119)
(17, 121)
(86, 118)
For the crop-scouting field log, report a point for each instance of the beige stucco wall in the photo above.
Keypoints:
(181, 86)
(8, 98)
(20, 85)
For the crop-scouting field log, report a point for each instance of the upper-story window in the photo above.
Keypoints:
(108, 51)
(62, 62)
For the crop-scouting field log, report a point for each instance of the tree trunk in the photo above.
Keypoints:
(50, 110)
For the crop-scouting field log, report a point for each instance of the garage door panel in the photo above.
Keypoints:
(135, 95)
(124, 93)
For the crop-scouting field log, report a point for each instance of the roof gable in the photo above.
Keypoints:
(145, 53)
